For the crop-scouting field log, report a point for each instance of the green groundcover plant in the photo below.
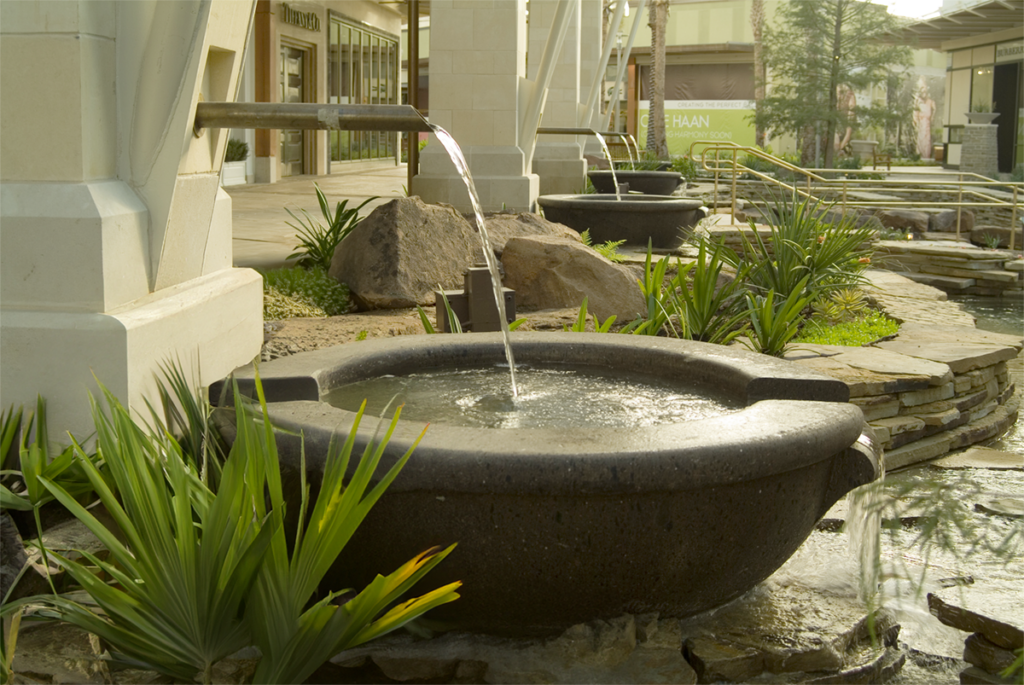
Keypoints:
(862, 330)
(296, 291)
(198, 572)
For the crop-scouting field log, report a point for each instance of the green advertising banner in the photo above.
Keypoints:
(690, 120)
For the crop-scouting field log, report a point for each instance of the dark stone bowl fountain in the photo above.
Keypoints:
(559, 526)
(661, 219)
(642, 181)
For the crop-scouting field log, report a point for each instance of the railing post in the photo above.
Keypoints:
(959, 203)
(716, 175)
(1013, 219)
(734, 173)
(844, 197)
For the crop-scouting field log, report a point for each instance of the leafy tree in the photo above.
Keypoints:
(815, 49)
(657, 19)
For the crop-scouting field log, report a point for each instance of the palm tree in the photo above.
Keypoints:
(657, 19)
(757, 27)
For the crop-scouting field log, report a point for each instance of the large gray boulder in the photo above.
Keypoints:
(550, 272)
(398, 255)
(904, 219)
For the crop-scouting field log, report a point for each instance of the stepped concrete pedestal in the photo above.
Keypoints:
(116, 241)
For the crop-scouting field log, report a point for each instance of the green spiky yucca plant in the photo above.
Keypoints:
(196, 574)
(803, 248)
(317, 241)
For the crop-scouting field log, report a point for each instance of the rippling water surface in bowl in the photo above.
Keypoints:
(549, 398)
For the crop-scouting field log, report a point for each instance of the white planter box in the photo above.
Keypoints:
(232, 174)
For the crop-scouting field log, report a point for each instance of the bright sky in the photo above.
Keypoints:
(912, 8)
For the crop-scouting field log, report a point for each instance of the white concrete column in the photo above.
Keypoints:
(591, 41)
(477, 58)
(115, 254)
(558, 160)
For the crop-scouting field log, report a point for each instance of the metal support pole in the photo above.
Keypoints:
(1013, 218)
(716, 176)
(734, 172)
(530, 111)
(959, 202)
(591, 108)
(413, 89)
(621, 75)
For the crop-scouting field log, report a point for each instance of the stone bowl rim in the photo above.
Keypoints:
(699, 453)
(634, 172)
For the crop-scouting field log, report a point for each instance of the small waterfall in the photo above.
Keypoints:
(629, 153)
(455, 152)
(864, 523)
(611, 164)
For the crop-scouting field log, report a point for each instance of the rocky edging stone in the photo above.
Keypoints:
(994, 637)
(954, 267)
(940, 385)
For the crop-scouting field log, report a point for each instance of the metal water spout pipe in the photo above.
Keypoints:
(587, 115)
(623, 63)
(308, 116)
(537, 90)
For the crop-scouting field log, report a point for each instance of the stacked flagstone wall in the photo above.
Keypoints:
(939, 385)
(954, 267)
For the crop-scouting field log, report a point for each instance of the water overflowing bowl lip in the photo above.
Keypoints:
(794, 417)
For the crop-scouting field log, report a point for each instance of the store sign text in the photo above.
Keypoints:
(690, 120)
(305, 20)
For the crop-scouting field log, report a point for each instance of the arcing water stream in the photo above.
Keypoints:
(455, 152)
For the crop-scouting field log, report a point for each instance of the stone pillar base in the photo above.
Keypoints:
(265, 170)
(561, 168)
(979, 153)
(497, 173)
(212, 324)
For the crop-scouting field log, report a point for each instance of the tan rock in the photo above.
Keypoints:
(982, 458)
(918, 451)
(916, 397)
(501, 227)
(877, 407)
(548, 272)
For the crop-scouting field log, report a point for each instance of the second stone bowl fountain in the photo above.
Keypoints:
(567, 523)
(664, 220)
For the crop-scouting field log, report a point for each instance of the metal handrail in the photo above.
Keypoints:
(842, 186)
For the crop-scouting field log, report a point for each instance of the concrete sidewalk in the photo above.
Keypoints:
(262, 238)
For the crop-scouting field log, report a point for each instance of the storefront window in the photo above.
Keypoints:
(362, 69)
(981, 89)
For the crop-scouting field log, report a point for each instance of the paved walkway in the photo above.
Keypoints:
(263, 239)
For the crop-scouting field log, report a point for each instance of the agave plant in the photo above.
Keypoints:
(803, 246)
(195, 574)
(317, 242)
(710, 313)
(774, 323)
(658, 298)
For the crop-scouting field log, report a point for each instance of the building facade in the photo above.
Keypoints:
(984, 46)
(338, 52)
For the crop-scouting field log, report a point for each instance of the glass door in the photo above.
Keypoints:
(293, 63)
